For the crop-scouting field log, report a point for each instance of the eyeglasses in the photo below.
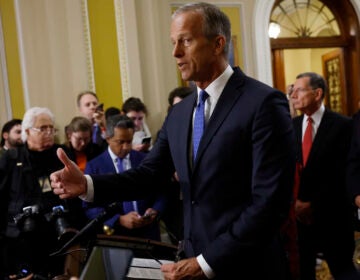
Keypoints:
(49, 129)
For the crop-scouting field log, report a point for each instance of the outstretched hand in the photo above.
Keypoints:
(68, 182)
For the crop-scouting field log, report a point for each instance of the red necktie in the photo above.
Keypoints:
(307, 141)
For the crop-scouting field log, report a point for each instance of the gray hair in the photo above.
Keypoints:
(215, 21)
(29, 119)
(315, 81)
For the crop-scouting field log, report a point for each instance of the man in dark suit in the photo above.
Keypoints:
(353, 170)
(322, 208)
(137, 218)
(237, 188)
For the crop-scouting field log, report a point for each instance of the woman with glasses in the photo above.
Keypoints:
(25, 193)
(80, 147)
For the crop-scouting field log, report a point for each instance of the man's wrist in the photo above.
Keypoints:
(88, 196)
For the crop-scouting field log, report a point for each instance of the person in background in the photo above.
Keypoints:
(138, 218)
(289, 91)
(80, 147)
(25, 193)
(235, 166)
(10, 135)
(322, 209)
(111, 111)
(178, 94)
(89, 107)
(136, 110)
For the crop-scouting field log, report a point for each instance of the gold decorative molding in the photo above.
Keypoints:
(87, 42)
(119, 15)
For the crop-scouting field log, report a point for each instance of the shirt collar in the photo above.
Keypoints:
(317, 116)
(114, 157)
(217, 86)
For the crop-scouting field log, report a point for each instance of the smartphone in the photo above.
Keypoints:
(100, 107)
(146, 216)
(146, 140)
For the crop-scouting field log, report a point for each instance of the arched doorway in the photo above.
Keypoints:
(344, 50)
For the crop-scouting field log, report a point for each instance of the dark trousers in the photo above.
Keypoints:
(337, 251)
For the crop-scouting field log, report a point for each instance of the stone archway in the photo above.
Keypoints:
(263, 63)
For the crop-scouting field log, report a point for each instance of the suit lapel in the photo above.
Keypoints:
(108, 163)
(324, 127)
(184, 140)
(228, 98)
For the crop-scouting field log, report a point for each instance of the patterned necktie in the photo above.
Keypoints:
(199, 122)
(127, 205)
(119, 165)
(307, 141)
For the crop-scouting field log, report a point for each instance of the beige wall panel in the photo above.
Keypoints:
(5, 108)
(158, 68)
(53, 55)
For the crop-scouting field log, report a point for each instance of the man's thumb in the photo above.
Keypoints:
(63, 157)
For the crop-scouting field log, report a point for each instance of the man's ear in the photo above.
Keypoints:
(219, 44)
(5, 135)
(318, 93)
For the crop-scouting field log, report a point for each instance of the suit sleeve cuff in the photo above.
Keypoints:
(89, 196)
(209, 273)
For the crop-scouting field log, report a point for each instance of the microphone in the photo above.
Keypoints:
(108, 212)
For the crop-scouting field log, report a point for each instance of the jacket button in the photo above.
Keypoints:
(193, 202)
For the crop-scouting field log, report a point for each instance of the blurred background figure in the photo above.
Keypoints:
(138, 218)
(25, 193)
(10, 135)
(322, 208)
(89, 107)
(112, 111)
(80, 148)
(178, 94)
(136, 110)
(289, 91)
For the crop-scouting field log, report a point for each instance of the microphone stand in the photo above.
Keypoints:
(108, 212)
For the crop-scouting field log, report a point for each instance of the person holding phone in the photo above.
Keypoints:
(138, 218)
(89, 107)
(136, 110)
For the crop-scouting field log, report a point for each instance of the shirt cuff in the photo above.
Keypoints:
(89, 196)
(209, 273)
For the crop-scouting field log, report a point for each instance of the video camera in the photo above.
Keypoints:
(31, 220)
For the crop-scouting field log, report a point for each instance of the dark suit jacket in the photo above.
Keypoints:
(239, 190)
(103, 164)
(322, 180)
(353, 170)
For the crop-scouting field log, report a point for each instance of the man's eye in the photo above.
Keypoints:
(187, 42)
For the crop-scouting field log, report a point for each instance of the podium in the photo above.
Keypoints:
(107, 263)
(111, 256)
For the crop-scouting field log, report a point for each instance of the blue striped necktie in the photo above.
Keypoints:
(199, 122)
